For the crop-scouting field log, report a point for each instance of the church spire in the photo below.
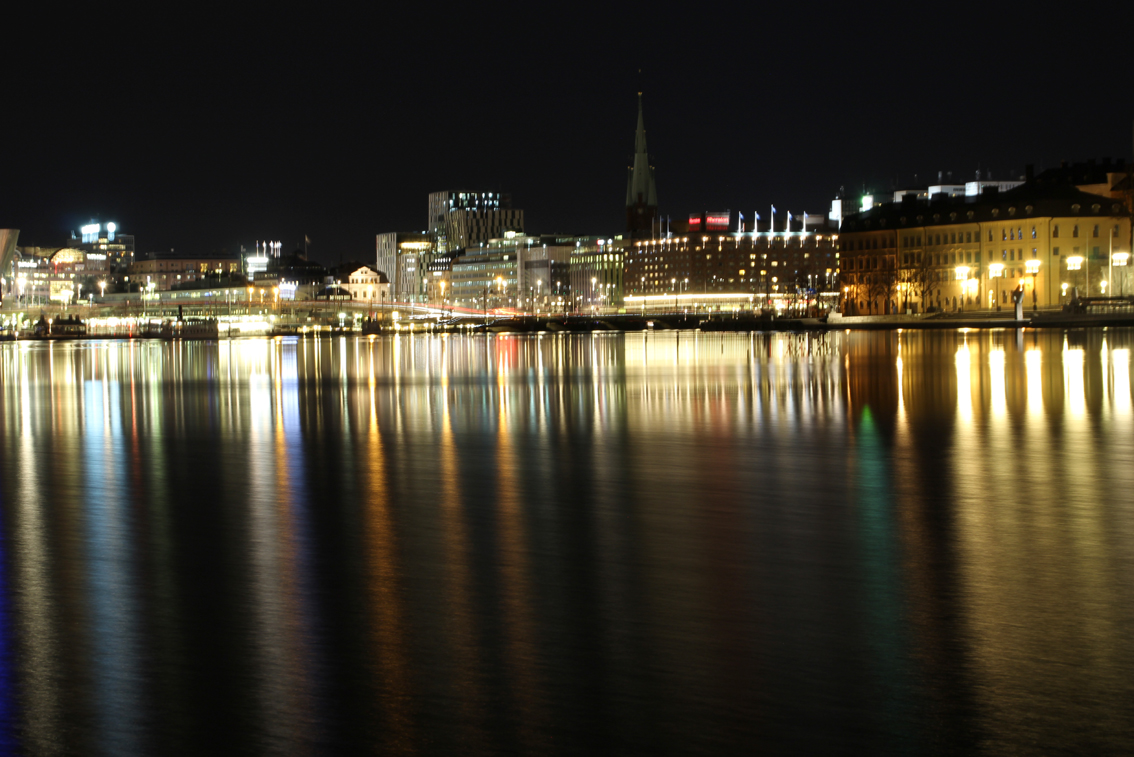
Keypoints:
(641, 193)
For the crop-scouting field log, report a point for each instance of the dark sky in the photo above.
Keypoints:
(208, 130)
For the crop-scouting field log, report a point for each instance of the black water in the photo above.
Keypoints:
(669, 544)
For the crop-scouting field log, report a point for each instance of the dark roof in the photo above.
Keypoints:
(171, 255)
(1081, 173)
(1031, 200)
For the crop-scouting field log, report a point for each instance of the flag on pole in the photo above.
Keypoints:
(740, 224)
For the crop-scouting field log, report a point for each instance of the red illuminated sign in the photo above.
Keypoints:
(694, 222)
(716, 220)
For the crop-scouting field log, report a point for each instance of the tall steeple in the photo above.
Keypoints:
(641, 194)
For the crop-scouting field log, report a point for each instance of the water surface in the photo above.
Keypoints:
(643, 544)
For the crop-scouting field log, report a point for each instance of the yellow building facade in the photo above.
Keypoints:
(971, 253)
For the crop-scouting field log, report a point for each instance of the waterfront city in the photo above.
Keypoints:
(380, 385)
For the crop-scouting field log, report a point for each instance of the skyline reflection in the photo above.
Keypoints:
(689, 542)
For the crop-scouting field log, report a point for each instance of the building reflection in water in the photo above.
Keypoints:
(911, 539)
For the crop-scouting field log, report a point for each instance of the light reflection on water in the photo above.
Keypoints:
(672, 542)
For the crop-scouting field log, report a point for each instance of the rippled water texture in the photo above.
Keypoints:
(674, 543)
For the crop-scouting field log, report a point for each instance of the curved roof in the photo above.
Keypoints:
(68, 255)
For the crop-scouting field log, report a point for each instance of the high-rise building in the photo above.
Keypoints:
(105, 242)
(641, 194)
(460, 220)
(402, 256)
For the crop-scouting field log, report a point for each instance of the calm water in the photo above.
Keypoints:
(675, 543)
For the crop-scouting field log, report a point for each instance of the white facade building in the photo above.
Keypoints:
(368, 285)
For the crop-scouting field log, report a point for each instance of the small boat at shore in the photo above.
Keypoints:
(68, 326)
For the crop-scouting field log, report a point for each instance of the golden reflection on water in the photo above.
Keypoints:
(719, 485)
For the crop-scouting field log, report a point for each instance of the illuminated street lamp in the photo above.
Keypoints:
(1032, 267)
(1074, 263)
(996, 271)
(962, 273)
(1121, 259)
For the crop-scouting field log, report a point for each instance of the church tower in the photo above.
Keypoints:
(641, 195)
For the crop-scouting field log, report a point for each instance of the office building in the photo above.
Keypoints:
(402, 257)
(520, 271)
(105, 243)
(597, 267)
(461, 220)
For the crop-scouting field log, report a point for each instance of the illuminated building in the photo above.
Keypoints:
(166, 270)
(485, 277)
(105, 244)
(641, 192)
(461, 220)
(55, 273)
(798, 264)
(8, 239)
(516, 271)
(597, 267)
(545, 271)
(954, 253)
(368, 285)
(257, 264)
(402, 257)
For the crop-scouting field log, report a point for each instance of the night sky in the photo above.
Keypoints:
(205, 131)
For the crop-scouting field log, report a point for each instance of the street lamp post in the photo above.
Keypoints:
(1121, 259)
(1032, 267)
(996, 271)
(1074, 263)
(962, 272)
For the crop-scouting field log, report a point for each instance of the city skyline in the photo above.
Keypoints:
(212, 140)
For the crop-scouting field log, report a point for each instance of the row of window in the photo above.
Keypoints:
(967, 237)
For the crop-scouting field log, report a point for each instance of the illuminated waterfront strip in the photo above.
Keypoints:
(715, 296)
